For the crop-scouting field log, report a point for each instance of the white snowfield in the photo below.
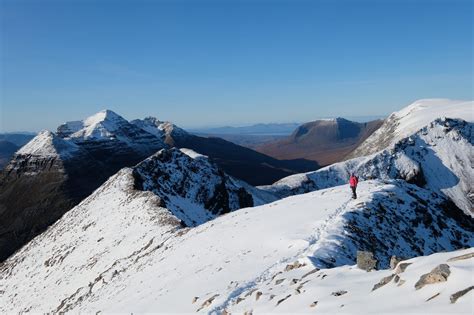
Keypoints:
(118, 251)
(412, 118)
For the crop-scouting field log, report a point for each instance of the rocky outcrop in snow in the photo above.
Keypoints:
(194, 189)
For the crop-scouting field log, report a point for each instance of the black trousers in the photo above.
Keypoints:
(354, 194)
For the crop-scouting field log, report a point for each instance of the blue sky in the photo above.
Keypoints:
(200, 63)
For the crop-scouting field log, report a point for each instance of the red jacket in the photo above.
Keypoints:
(353, 181)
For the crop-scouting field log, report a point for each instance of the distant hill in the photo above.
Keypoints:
(258, 129)
(7, 149)
(324, 141)
(18, 138)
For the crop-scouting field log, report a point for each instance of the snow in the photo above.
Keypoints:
(152, 265)
(193, 188)
(168, 235)
(410, 119)
(48, 145)
(160, 129)
(193, 154)
(101, 125)
(108, 130)
(150, 124)
(360, 299)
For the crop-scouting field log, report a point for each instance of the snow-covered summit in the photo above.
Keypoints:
(100, 125)
(410, 119)
(110, 129)
(47, 144)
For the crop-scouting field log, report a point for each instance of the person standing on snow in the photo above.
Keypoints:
(353, 181)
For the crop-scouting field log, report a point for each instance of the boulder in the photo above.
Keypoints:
(438, 274)
(366, 261)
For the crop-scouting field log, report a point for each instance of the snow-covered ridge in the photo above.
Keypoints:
(410, 119)
(161, 129)
(48, 145)
(437, 157)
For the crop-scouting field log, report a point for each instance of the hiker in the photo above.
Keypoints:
(353, 181)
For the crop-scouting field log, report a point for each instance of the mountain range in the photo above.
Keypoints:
(55, 171)
(175, 233)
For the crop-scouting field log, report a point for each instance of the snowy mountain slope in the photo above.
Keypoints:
(437, 157)
(164, 130)
(194, 189)
(350, 290)
(144, 268)
(46, 144)
(44, 179)
(113, 229)
(410, 119)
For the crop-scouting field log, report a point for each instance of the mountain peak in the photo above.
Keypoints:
(47, 144)
(103, 115)
(101, 125)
